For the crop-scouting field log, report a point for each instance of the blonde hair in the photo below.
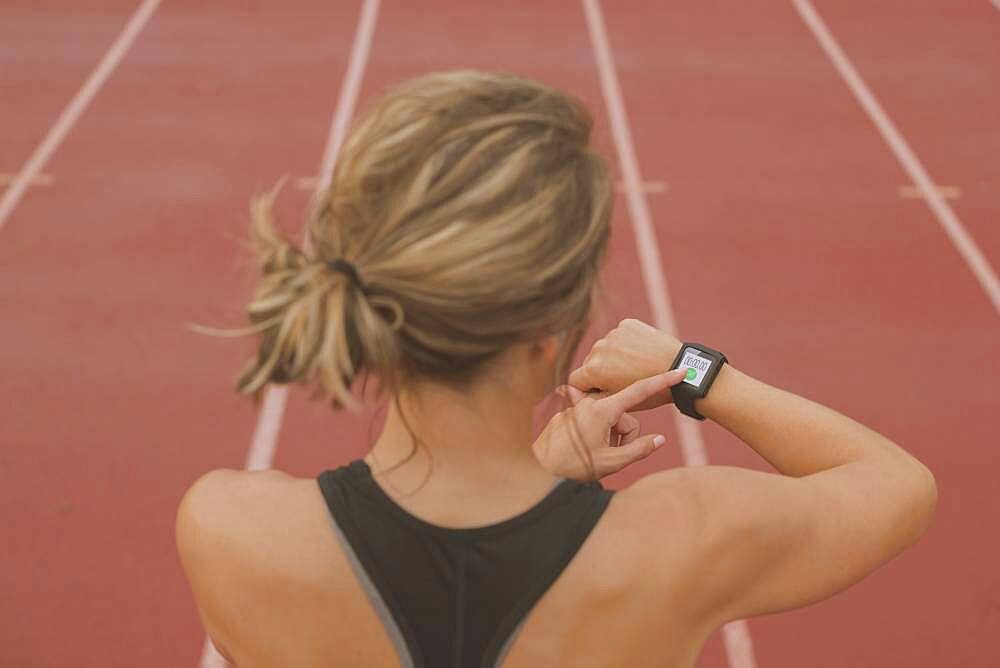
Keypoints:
(476, 217)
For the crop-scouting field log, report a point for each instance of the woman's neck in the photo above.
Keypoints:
(475, 443)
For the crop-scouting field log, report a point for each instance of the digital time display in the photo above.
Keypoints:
(697, 366)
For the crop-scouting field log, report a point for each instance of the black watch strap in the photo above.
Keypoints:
(684, 397)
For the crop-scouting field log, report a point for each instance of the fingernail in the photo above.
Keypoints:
(658, 441)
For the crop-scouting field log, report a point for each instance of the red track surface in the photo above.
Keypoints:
(819, 277)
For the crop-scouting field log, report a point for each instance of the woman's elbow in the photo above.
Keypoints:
(930, 493)
(921, 501)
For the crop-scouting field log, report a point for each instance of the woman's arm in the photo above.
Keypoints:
(846, 500)
(796, 436)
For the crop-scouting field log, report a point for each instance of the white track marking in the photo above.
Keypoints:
(43, 180)
(649, 254)
(956, 232)
(913, 192)
(265, 437)
(735, 635)
(57, 133)
(349, 89)
(651, 187)
(996, 3)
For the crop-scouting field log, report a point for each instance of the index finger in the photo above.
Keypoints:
(639, 391)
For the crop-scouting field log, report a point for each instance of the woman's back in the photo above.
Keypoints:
(300, 595)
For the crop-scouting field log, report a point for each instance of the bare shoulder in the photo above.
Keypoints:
(661, 519)
(238, 487)
(681, 497)
(258, 551)
(223, 502)
(250, 522)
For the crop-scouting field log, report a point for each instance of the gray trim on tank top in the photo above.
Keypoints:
(381, 610)
(505, 649)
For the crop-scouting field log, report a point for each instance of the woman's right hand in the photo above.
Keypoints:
(597, 436)
(630, 351)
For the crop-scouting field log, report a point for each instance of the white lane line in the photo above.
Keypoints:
(649, 254)
(265, 437)
(912, 192)
(735, 635)
(996, 3)
(42, 180)
(939, 206)
(349, 89)
(57, 133)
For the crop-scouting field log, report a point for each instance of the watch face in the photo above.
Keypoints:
(697, 366)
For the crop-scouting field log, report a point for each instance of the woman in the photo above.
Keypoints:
(454, 259)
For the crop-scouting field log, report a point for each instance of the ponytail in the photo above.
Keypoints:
(316, 323)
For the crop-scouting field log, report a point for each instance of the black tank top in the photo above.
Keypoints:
(455, 597)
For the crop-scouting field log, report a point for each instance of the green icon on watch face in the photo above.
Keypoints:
(690, 374)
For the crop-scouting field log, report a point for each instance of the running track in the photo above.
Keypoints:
(779, 225)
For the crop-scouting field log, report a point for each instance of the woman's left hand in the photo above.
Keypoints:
(600, 428)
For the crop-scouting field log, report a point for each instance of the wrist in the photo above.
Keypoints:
(725, 387)
(671, 348)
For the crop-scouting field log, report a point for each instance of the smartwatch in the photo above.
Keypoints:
(702, 364)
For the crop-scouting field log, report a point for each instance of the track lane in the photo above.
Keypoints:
(30, 174)
(935, 68)
(785, 243)
(47, 50)
(61, 357)
(111, 407)
(923, 184)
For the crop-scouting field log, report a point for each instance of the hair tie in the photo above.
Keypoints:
(348, 269)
